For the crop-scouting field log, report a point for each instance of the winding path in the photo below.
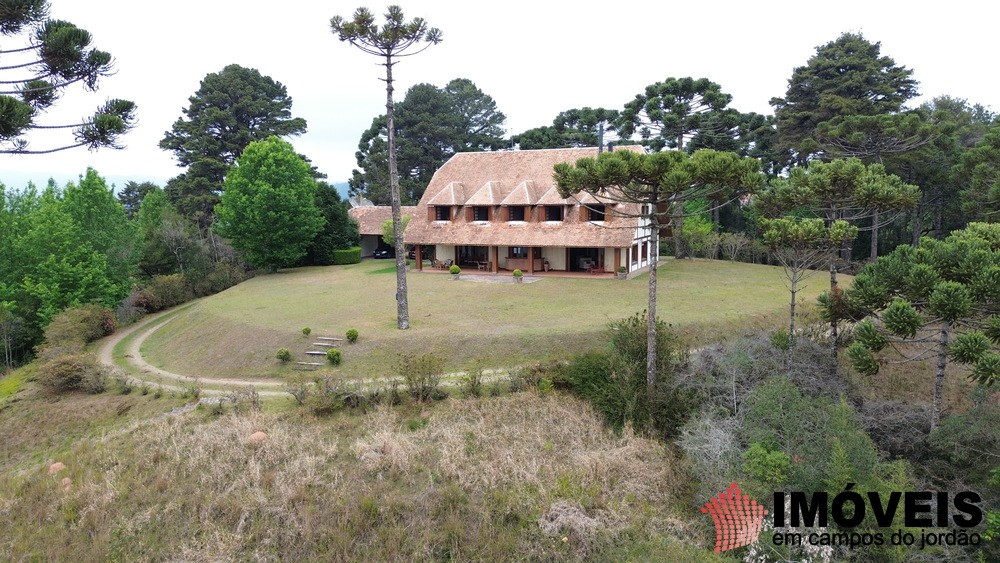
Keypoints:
(265, 387)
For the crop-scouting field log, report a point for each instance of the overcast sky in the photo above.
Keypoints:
(535, 58)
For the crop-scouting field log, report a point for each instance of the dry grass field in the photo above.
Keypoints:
(519, 477)
(236, 333)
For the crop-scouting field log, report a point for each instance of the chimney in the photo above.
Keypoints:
(600, 137)
(611, 147)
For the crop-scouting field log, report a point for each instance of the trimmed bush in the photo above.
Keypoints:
(346, 256)
(307, 331)
(333, 356)
(352, 335)
(455, 270)
(518, 273)
(283, 354)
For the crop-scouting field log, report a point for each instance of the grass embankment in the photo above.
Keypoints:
(237, 332)
(476, 479)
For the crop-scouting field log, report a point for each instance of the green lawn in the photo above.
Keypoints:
(237, 332)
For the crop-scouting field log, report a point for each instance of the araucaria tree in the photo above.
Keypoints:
(231, 109)
(669, 114)
(396, 38)
(268, 207)
(57, 54)
(800, 245)
(941, 299)
(841, 190)
(639, 185)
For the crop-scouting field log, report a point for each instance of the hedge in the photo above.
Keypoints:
(348, 256)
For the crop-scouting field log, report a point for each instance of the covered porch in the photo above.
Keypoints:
(529, 259)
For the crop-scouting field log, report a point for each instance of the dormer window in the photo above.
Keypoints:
(595, 213)
(517, 213)
(442, 213)
(553, 213)
(480, 213)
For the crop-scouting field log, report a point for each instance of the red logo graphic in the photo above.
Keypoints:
(738, 518)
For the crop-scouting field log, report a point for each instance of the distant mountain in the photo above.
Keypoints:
(342, 188)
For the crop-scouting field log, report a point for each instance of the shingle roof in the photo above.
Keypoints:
(370, 218)
(515, 178)
(489, 194)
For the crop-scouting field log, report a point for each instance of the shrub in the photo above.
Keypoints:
(246, 400)
(622, 270)
(346, 256)
(122, 382)
(781, 340)
(615, 383)
(545, 386)
(472, 382)
(421, 374)
(283, 354)
(307, 331)
(72, 372)
(333, 356)
(518, 273)
(222, 276)
(352, 335)
(168, 291)
(333, 394)
(72, 328)
(455, 270)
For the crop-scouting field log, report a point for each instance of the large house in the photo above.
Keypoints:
(501, 211)
(370, 219)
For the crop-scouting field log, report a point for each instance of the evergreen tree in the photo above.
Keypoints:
(846, 77)
(432, 124)
(231, 109)
(57, 54)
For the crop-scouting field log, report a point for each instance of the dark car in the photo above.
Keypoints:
(384, 253)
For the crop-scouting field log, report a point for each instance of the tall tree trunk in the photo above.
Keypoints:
(939, 375)
(834, 321)
(918, 223)
(402, 305)
(874, 253)
(939, 219)
(651, 320)
(791, 319)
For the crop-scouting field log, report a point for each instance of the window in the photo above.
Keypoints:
(442, 213)
(596, 212)
(522, 252)
(553, 213)
(517, 213)
(480, 213)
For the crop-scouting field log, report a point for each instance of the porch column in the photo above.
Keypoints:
(496, 259)
(420, 257)
(531, 259)
(618, 259)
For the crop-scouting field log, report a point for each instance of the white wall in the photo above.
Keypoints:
(444, 252)
(556, 255)
(609, 259)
